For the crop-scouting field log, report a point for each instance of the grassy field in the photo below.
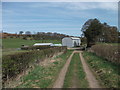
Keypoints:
(44, 76)
(10, 45)
(107, 73)
(16, 43)
(75, 74)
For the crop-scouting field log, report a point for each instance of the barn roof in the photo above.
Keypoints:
(42, 44)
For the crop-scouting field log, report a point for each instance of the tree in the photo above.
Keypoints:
(118, 37)
(95, 31)
(83, 40)
(21, 32)
(28, 33)
(92, 31)
(109, 34)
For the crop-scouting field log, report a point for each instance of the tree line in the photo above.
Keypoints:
(37, 36)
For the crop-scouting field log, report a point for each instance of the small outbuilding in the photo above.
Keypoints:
(43, 44)
(58, 45)
(71, 41)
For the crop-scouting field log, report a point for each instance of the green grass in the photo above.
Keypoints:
(10, 44)
(16, 43)
(107, 73)
(75, 72)
(44, 76)
(9, 51)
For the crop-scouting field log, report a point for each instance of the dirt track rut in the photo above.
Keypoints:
(93, 83)
(60, 80)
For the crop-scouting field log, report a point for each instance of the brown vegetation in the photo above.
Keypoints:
(109, 52)
(14, 64)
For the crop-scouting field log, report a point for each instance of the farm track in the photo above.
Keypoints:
(93, 83)
(60, 80)
(75, 79)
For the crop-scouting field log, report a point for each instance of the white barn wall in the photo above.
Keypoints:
(77, 41)
(69, 41)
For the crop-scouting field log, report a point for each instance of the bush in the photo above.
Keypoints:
(107, 51)
(35, 47)
(17, 63)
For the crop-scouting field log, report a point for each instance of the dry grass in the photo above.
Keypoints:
(107, 51)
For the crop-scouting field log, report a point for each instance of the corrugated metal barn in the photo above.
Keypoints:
(71, 41)
(43, 44)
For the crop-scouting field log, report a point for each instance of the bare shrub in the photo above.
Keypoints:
(14, 64)
(107, 51)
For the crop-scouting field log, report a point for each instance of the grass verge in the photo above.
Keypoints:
(75, 76)
(44, 76)
(107, 73)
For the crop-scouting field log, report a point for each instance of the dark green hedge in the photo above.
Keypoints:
(35, 47)
(17, 63)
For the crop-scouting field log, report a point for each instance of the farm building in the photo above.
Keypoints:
(71, 41)
(43, 44)
(57, 44)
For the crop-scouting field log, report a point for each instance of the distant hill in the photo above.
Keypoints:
(38, 36)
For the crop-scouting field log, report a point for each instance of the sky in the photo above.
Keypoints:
(61, 17)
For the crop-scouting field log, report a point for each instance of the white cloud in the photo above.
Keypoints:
(68, 11)
(88, 6)
(75, 6)
(79, 5)
(40, 24)
(60, 0)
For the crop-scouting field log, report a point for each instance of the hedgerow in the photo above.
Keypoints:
(109, 52)
(12, 65)
(106, 72)
(35, 47)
